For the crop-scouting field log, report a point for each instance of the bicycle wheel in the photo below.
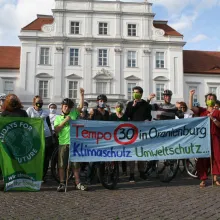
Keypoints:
(108, 173)
(190, 166)
(54, 166)
(167, 169)
(151, 168)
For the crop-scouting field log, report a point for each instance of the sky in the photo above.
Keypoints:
(197, 20)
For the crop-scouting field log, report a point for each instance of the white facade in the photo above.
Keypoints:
(202, 84)
(104, 47)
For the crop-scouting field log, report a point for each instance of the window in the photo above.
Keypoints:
(101, 87)
(43, 88)
(103, 57)
(44, 55)
(74, 27)
(131, 58)
(74, 57)
(195, 97)
(8, 87)
(130, 87)
(132, 30)
(73, 89)
(213, 90)
(159, 92)
(103, 28)
(159, 59)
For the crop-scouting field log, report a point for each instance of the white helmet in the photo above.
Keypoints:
(2, 96)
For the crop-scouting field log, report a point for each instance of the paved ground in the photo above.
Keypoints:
(180, 199)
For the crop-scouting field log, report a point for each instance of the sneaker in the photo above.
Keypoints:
(143, 176)
(80, 186)
(131, 178)
(61, 187)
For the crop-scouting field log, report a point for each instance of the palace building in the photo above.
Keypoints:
(105, 47)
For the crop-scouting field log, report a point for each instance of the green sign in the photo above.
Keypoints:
(22, 153)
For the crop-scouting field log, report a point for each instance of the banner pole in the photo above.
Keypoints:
(211, 171)
(67, 175)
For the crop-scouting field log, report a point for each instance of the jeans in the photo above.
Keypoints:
(132, 166)
(47, 154)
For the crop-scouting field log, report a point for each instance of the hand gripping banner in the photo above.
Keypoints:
(129, 141)
(21, 153)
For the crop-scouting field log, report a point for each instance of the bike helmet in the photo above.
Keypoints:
(102, 97)
(167, 92)
(68, 102)
(2, 96)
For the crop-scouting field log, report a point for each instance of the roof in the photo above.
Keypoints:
(41, 20)
(201, 62)
(168, 30)
(10, 57)
(38, 23)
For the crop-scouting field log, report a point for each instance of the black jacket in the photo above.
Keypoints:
(98, 116)
(140, 112)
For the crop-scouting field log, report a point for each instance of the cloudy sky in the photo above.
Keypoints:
(197, 20)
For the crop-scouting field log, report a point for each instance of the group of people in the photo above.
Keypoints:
(57, 127)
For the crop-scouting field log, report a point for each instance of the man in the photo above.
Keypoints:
(138, 110)
(166, 110)
(2, 99)
(100, 114)
(62, 128)
(37, 111)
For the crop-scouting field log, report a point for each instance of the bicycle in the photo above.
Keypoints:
(166, 170)
(190, 167)
(107, 172)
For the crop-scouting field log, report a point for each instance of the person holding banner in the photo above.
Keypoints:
(119, 116)
(138, 110)
(203, 164)
(100, 114)
(36, 111)
(62, 128)
(12, 107)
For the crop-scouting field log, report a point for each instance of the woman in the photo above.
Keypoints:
(119, 116)
(37, 112)
(84, 112)
(203, 164)
(183, 107)
(53, 113)
(12, 107)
